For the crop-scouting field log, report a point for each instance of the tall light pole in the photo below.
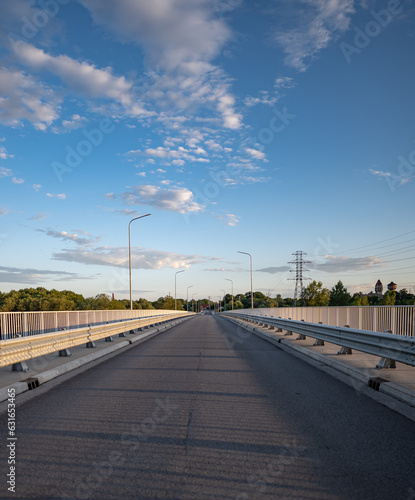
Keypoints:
(252, 291)
(175, 296)
(187, 297)
(129, 256)
(227, 279)
(194, 301)
(224, 293)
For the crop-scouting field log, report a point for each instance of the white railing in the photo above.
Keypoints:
(13, 324)
(399, 319)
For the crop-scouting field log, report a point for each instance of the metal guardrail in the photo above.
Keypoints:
(399, 319)
(18, 350)
(389, 347)
(24, 324)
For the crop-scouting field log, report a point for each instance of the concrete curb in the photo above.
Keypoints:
(391, 389)
(42, 378)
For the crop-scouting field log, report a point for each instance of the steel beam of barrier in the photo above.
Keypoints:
(23, 348)
(385, 345)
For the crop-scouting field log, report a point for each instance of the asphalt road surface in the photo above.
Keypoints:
(207, 410)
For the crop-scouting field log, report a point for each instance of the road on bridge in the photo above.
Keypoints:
(207, 410)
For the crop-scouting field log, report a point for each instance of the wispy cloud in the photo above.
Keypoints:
(61, 196)
(142, 258)
(315, 23)
(274, 270)
(73, 237)
(31, 276)
(335, 264)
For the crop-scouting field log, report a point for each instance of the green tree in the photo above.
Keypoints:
(315, 295)
(339, 296)
(389, 298)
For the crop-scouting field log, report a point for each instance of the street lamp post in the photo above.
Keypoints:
(187, 297)
(129, 255)
(227, 279)
(193, 301)
(252, 292)
(175, 296)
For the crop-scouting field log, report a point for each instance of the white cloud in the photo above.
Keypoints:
(317, 23)
(142, 258)
(4, 154)
(5, 172)
(258, 155)
(74, 123)
(229, 219)
(3, 211)
(24, 98)
(17, 180)
(173, 200)
(37, 187)
(180, 38)
(61, 196)
(175, 156)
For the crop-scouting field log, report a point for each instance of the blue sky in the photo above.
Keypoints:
(265, 127)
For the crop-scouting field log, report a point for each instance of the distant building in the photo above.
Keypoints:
(392, 286)
(379, 288)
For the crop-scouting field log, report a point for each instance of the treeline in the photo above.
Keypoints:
(315, 295)
(41, 299)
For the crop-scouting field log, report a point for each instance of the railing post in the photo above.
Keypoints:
(345, 350)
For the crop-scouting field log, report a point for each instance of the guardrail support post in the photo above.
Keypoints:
(122, 334)
(21, 366)
(90, 344)
(319, 342)
(301, 336)
(109, 339)
(345, 350)
(386, 363)
(289, 332)
(65, 353)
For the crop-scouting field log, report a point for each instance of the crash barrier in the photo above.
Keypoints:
(16, 351)
(23, 324)
(399, 319)
(389, 347)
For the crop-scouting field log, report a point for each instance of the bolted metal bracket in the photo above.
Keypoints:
(122, 334)
(20, 366)
(386, 363)
(90, 345)
(319, 342)
(109, 339)
(301, 337)
(288, 332)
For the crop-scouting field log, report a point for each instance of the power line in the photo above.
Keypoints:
(376, 243)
